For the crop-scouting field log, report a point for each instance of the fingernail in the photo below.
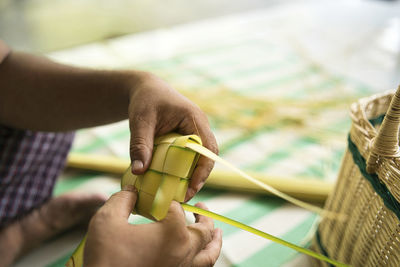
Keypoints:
(137, 165)
(200, 185)
(189, 194)
(220, 232)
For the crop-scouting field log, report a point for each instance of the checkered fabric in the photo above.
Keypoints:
(30, 162)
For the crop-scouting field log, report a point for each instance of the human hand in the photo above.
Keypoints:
(112, 241)
(156, 109)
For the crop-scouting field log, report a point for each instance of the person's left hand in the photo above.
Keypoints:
(156, 109)
(112, 241)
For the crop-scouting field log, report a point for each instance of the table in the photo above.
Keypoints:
(276, 85)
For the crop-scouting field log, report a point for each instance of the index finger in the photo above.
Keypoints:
(203, 219)
(175, 215)
(204, 165)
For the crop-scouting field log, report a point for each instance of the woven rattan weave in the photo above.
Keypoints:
(367, 190)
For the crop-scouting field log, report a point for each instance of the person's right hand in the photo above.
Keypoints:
(112, 241)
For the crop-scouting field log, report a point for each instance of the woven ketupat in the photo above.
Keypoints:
(167, 178)
(367, 190)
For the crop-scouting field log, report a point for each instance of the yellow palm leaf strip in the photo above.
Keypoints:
(252, 230)
(76, 259)
(207, 153)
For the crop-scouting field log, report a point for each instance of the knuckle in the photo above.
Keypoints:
(198, 114)
(214, 148)
(205, 234)
(142, 118)
(203, 117)
(210, 167)
(138, 144)
(202, 173)
(210, 261)
(141, 115)
(207, 261)
(182, 237)
(211, 143)
(177, 230)
(138, 140)
(189, 109)
(179, 238)
(189, 114)
(136, 120)
(176, 208)
(99, 219)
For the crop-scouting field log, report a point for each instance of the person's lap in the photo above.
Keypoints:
(30, 163)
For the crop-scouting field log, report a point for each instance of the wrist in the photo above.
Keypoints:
(133, 80)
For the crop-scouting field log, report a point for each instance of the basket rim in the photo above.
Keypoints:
(366, 114)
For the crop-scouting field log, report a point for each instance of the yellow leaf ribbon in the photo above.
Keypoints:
(262, 234)
(167, 179)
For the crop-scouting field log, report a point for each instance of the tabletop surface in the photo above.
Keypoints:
(276, 104)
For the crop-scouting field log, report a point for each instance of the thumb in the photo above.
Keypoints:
(175, 216)
(141, 144)
(121, 203)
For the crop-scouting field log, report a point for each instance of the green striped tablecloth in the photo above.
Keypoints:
(271, 108)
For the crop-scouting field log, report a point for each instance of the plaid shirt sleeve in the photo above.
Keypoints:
(4, 50)
(30, 163)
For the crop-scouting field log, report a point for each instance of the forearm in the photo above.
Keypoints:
(38, 94)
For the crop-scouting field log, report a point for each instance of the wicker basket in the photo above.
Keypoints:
(367, 190)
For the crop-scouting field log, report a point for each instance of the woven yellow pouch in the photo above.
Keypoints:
(165, 180)
(367, 190)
